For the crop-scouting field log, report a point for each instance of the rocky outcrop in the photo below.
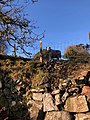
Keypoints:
(48, 103)
(70, 101)
(82, 116)
(62, 81)
(76, 104)
(37, 96)
(58, 115)
(35, 110)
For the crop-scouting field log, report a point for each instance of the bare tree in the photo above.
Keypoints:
(15, 28)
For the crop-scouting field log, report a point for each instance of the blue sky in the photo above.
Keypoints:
(66, 22)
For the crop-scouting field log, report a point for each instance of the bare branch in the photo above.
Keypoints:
(15, 27)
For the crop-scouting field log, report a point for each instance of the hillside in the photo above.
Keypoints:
(19, 76)
(34, 72)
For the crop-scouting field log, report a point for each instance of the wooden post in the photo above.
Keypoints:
(41, 57)
(89, 42)
(2, 49)
(2, 44)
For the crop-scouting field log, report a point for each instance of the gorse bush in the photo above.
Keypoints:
(76, 51)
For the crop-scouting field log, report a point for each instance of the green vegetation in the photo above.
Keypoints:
(76, 52)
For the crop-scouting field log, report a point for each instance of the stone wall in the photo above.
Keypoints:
(65, 93)
(70, 101)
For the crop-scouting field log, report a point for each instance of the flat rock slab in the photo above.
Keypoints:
(37, 96)
(35, 110)
(56, 92)
(48, 104)
(82, 116)
(57, 115)
(37, 90)
(57, 99)
(76, 104)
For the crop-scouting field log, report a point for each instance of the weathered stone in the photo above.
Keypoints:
(62, 83)
(35, 109)
(0, 84)
(55, 92)
(82, 116)
(65, 115)
(57, 99)
(60, 86)
(86, 91)
(57, 115)
(37, 90)
(37, 96)
(13, 103)
(48, 104)
(73, 89)
(82, 78)
(82, 74)
(64, 97)
(76, 104)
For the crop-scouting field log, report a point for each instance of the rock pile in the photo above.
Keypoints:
(65, 92)
(70, 101)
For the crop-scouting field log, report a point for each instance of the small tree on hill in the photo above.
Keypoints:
(76, 51)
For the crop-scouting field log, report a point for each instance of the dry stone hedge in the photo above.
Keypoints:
(61, 90)
(70, 101)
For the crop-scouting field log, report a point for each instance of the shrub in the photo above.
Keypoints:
(76, 51)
